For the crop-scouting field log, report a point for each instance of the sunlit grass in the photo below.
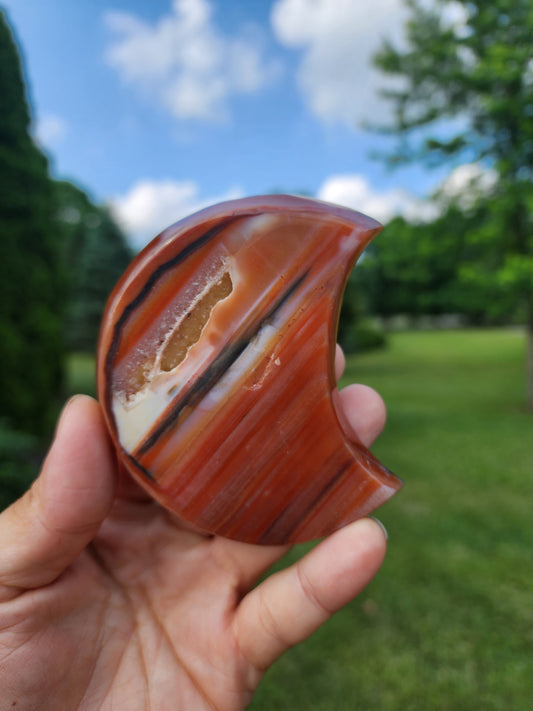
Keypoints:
(448, 623)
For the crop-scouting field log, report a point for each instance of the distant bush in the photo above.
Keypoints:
(363, 335)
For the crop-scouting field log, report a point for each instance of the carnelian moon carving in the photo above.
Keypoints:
(215, 371)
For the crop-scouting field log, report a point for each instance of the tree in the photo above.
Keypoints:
(32, 285)
(95, 254)
(433, 268)
(412, 268)
(465, 92)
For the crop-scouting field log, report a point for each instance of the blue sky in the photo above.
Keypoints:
(161, 107)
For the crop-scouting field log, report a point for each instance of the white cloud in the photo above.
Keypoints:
(338, 39)
(463, 186)
(50, 130)
(354, 191)
(185, 62)
(466, 184)
(455, 16)
(151, 205)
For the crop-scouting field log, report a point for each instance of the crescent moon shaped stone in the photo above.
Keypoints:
(215, 371)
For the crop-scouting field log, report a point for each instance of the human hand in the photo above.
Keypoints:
(108, 601)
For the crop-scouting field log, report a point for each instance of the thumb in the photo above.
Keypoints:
(45, 530)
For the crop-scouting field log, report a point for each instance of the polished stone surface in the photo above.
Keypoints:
(215, 371)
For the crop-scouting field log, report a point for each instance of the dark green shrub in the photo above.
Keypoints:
(362, 336)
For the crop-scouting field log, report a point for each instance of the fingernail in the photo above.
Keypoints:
(381, 525)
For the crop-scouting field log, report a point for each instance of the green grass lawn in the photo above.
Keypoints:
(448, 622)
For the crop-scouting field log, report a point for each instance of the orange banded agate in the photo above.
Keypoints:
(215, 371)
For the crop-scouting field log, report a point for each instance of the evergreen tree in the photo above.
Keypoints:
(95, 254)
(31, 280)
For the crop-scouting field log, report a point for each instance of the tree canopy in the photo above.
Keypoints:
(464, 92)
(471, 61)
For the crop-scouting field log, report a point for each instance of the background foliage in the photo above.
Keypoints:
(32, 283)
(95, 254)
(470, 61)
(60, 256)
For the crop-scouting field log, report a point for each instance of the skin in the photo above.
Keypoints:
(108, 602)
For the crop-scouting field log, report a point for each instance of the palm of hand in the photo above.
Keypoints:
(138, 625)
(106, 601)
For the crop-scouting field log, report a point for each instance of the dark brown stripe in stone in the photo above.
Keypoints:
(140, 467)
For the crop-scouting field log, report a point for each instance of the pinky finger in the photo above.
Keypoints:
(290, 605)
